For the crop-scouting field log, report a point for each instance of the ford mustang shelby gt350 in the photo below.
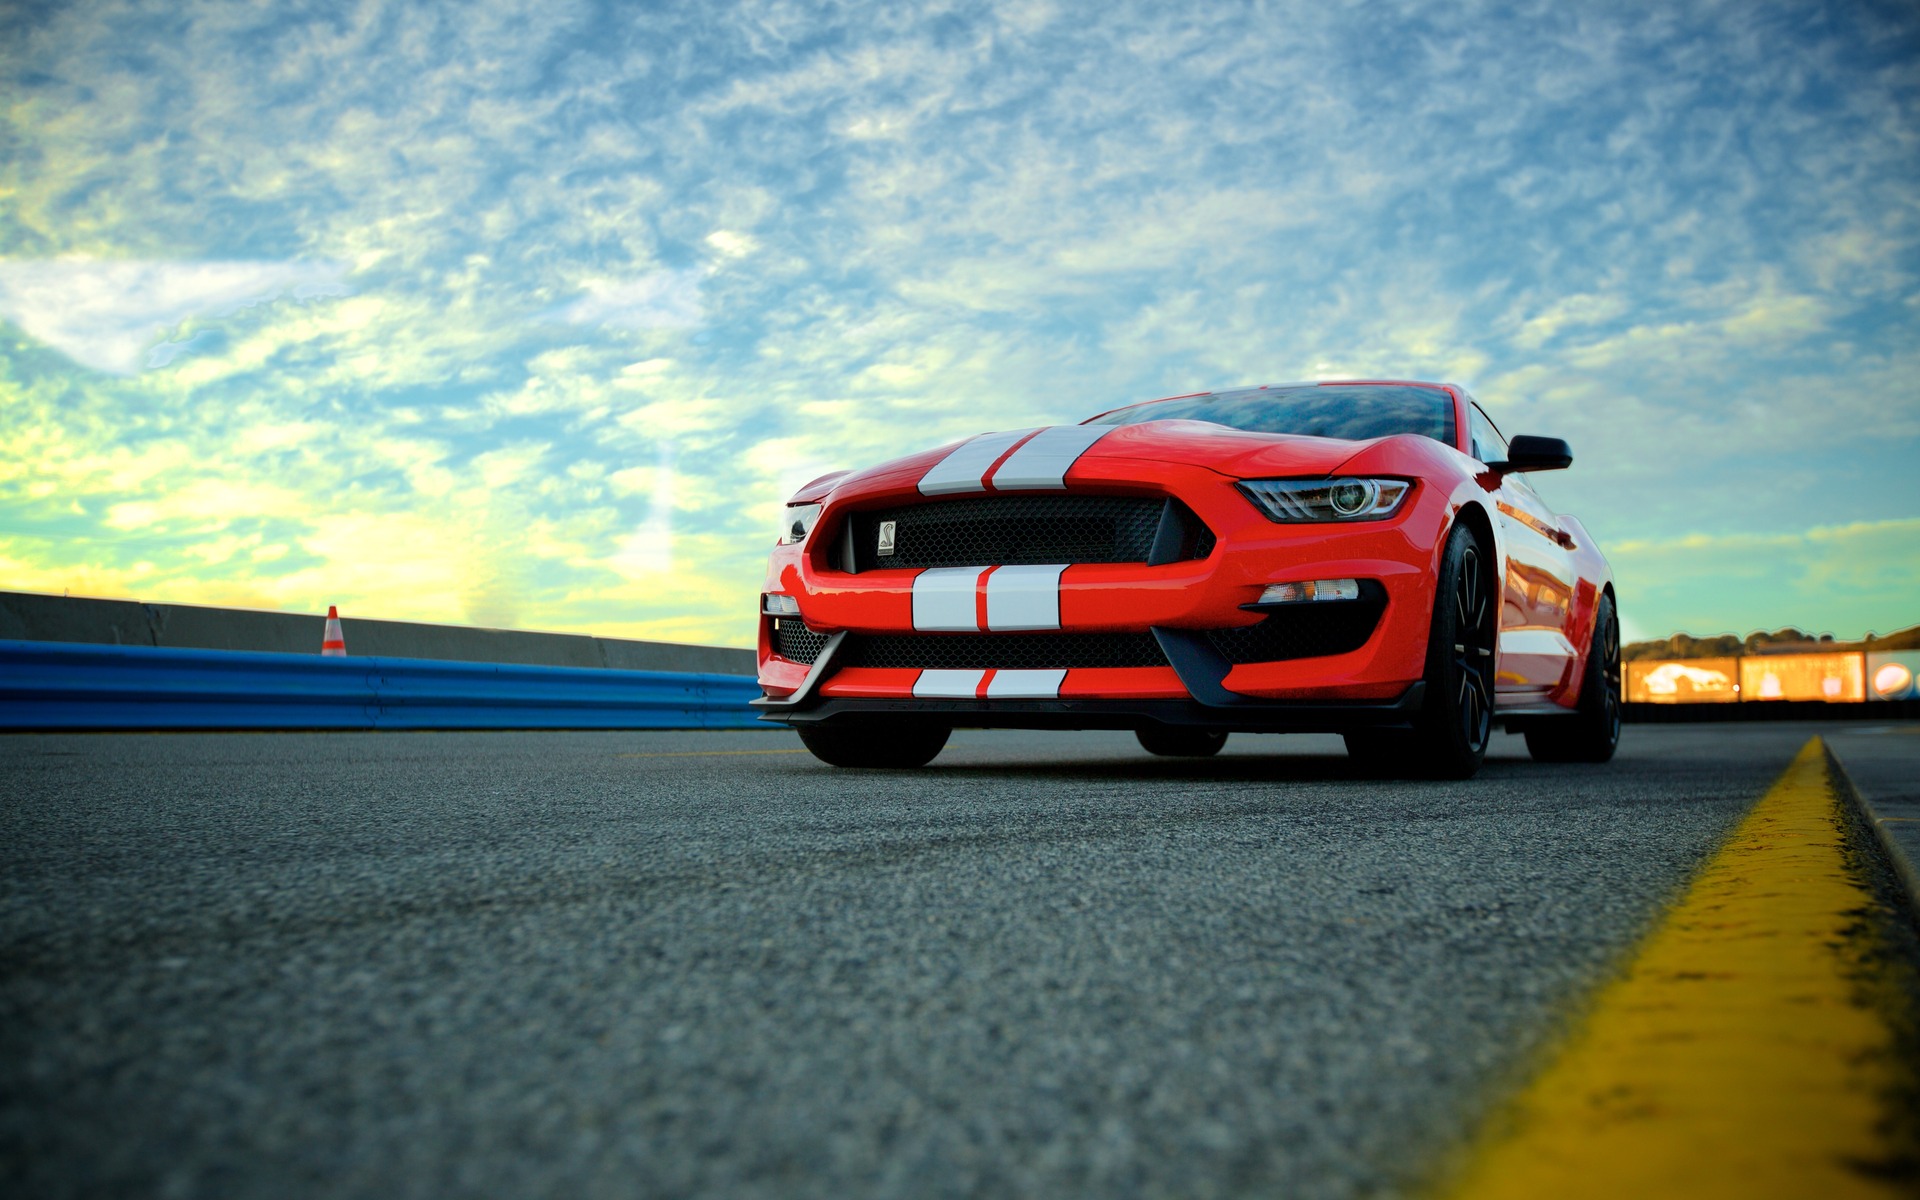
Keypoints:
(1364, 557)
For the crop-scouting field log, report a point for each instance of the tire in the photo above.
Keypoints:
(1592, 733)
(1178, 742)
(875, 744)
(1450, 736)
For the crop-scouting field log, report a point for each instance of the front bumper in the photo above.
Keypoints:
(1332, 717)
(1176, 604)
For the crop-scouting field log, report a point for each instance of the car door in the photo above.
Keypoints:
(1536, 603)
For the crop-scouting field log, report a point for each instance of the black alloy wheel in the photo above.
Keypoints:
(1175, 742)
(1449, 738)
(875, 743)
(1592, 733)
(1453, 730)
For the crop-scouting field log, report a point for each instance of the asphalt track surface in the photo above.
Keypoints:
(585, 964)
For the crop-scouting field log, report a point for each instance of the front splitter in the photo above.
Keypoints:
(1244, 717)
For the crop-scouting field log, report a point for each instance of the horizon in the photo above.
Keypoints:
(531, 317)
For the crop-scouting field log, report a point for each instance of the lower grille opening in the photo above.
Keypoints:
(1306, 631)
(794, 642)
(1001, 651)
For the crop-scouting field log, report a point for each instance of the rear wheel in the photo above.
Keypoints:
(1450, 736)
(1176, 742)
(1593, 731)
(875, 744)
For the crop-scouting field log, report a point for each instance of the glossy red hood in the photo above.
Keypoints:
(1231, 452)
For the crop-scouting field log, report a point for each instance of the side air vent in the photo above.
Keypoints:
(1310, 630)
(794, 642)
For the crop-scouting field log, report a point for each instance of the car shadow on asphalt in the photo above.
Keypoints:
(1238, 768)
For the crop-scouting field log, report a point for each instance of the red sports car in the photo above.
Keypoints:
(1363, 557)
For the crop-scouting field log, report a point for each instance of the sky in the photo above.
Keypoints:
(532, 315)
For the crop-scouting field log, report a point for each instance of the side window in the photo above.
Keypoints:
(1488, 445)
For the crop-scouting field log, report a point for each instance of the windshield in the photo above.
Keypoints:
(1353, 412)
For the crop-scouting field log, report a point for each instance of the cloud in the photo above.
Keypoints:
(730, 244)
(648, 550)
(113, 315)
(662, 300)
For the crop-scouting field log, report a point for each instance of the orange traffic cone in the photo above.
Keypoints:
(334, 643)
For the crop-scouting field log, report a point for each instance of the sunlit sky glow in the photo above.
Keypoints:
(530, 315)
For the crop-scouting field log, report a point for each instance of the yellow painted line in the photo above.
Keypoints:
(705, 753)
(1737, 1056)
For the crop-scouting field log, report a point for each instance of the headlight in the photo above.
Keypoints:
(800, 519)
(1300, 500)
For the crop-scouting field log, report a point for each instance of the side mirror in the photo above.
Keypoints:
(1529, 453)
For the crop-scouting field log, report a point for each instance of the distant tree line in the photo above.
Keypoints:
(1780, 641)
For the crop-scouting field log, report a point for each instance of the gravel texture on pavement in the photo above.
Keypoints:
(665, 964)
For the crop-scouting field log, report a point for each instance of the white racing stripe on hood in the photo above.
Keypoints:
(1042, 463)
(965, 469)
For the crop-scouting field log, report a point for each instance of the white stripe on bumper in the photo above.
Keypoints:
(1022, 598)
(1043, 462)
(944, 599)
(1024, 685)
(948, 685)
(965, 469)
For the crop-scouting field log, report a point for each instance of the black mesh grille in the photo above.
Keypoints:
(794, 642)
(1002, 651)
(1310, 631)
(1015, 530)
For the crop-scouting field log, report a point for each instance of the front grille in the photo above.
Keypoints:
(1019, 530)
(1308, 631)
(1001, 651)
(794, 642)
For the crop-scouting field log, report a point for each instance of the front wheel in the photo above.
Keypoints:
(1176, 742)
(1450, 737)
(873, 744)
(1592, 733)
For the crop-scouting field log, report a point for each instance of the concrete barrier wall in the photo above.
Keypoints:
(28, 616)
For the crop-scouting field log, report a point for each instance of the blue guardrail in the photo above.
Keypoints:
(69, 685)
